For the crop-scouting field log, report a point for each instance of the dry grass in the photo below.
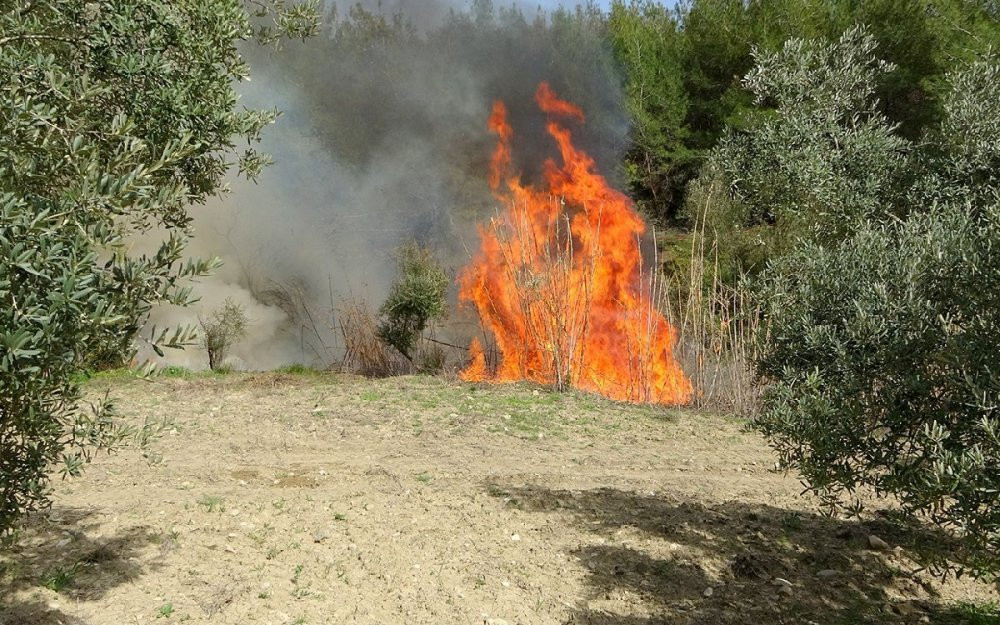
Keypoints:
(717, 324)
(312, 325)
(553, 297)
(364, 351)
(552, 271)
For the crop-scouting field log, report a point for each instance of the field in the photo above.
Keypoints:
(315, 499)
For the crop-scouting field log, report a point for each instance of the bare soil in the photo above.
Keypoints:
(331, 499)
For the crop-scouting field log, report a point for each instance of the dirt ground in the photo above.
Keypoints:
(311, 499)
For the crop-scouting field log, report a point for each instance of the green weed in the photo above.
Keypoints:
(298, 368)
(59, 578)
(211, 503)
(423, 477)
(987, 613)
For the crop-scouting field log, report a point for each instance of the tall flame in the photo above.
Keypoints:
(559, 281)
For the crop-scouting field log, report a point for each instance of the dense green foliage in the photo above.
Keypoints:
(823, 158)
(683, 71)
(114, 119)
(844, 154)
(417, 296)
(885, 372)
(883, 300)
(647, 44)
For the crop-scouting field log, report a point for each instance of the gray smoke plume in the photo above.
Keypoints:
(383, 140)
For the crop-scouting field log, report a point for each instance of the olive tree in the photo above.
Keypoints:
(417, 296)
(115, 118)
(884, 372)
(820, 155)
(880, 355)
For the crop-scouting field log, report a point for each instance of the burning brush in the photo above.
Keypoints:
(559, 281)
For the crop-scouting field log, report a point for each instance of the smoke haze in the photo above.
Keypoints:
(383, 140)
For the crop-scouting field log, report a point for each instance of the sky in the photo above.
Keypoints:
(551, 4)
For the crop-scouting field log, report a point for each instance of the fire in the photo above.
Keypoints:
(559, 281)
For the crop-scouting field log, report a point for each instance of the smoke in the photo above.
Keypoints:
(383, 140)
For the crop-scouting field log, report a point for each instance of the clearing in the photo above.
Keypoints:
(316, 499)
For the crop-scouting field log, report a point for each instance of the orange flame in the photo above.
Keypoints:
(476, 371)
(559, 282)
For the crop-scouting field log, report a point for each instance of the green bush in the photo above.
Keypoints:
(880, 348)
(818, 157)
(884, 369)
(224, 327)
(49, 308)
(415, 298)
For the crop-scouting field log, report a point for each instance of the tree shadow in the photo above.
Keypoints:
(62, 551)
(659, 559)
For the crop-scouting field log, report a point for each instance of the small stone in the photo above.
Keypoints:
(786, 590)
(907, 608)
(827, 573)
(321, 535)
(515, 537)
(877, 543)
(495, 621)
(708, 592)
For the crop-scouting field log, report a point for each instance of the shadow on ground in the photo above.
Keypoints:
(655, 559)
(60, 557)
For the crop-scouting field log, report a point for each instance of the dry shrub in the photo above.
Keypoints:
(556, 270)
(221, 330)
(554, 305)
(431, 358)
(313, 326)
(364, 352)
(716, 323)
